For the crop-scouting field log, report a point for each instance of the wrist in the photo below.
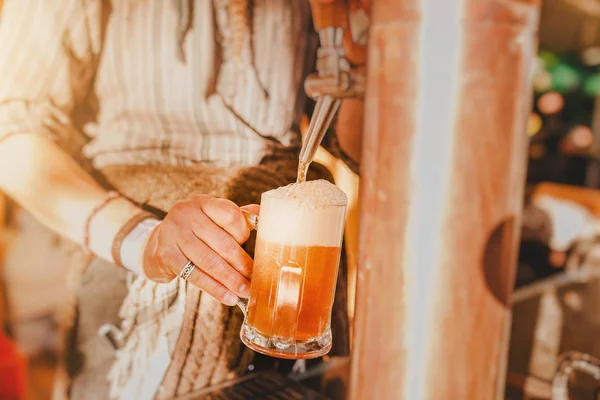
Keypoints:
(104, 225)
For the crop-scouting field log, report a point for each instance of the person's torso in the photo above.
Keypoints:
(231, 100)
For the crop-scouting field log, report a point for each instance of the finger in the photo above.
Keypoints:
(210, 286)
(191, 215)
(212, 264)
(251, 212)
(177, 261)
(172, 261)
(222, 243)
(227, 215)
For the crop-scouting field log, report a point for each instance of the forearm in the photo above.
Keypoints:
(52, 186)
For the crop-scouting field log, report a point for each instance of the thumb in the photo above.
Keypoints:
(251, 208)
(252, 219)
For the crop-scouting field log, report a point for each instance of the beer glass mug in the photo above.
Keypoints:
(296, 261)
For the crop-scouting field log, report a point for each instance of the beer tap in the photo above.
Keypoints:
(336, 77)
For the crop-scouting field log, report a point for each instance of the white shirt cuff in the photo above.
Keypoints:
(134, 244)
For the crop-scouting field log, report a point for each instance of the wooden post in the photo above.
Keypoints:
(444, 160)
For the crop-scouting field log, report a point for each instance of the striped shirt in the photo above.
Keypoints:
(113, 73)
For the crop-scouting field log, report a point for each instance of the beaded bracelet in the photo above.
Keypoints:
(86, 236)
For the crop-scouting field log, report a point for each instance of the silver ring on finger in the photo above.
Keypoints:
(187, 270)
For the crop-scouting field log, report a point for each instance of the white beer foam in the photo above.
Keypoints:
(317, 193)
(303, 214)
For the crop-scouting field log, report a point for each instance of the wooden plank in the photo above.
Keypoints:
(442, 180)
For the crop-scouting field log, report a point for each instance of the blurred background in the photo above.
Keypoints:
(550, 315)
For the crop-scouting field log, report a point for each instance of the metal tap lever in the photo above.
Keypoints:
(336, 78)
(325, 110)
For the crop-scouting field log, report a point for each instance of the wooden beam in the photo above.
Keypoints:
(442, 181)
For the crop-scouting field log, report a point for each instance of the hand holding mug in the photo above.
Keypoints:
(209, 232)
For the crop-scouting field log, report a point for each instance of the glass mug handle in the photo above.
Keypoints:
(568, 363)
(252, 220)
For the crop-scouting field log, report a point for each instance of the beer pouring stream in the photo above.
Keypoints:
(325, 110)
